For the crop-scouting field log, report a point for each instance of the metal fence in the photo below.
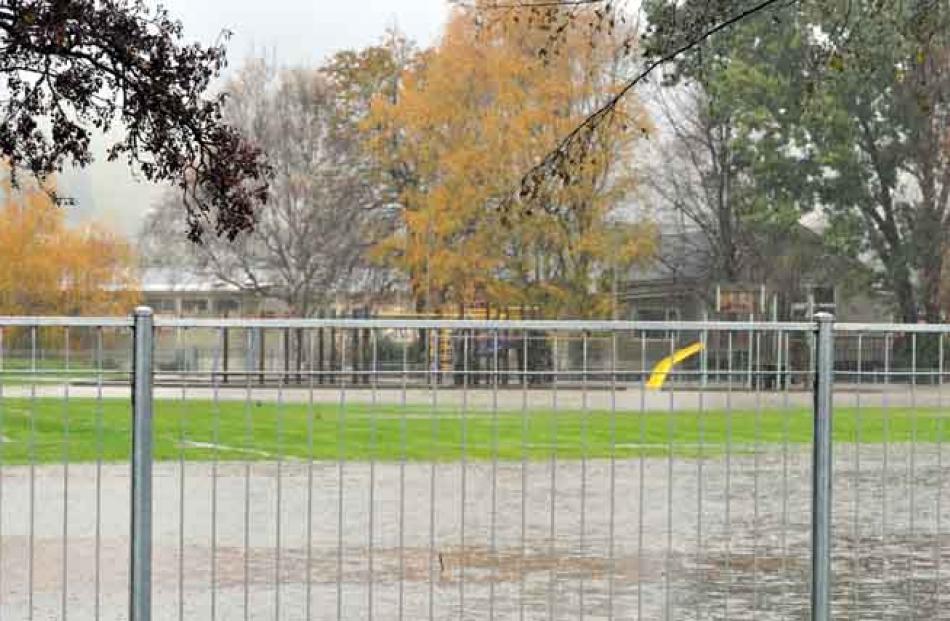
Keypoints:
(397, 469)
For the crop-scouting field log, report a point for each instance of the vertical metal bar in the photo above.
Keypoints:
(938, 548)
(299, 332)
(31, 452)
(99, 448)
(311, 415)
(285, 346)
(885, 458)
(261, 353)
(887, 358)
(668, 612)
(341, 461)
(585, 413)
(552, 543)
(355, 353)
(856, 483)
(215, 443)
(701, 426)
(757, 447)
(494, 477)
(374, 361)
(524, 473)
(786, 429)
(320, 350)
(911, 477)
(281, 380)
(612, 511)
(140, 573)
(65, 592)
(225, 347)
(821, 471)
(182, 443)
(248, 446)
(432, 360)
(463, 473)
(783, 348)
(812, 360)
(704, 354)
(403, 450)
(728, 478)
(749, 355)
(641, 474)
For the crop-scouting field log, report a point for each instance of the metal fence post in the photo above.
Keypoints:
(140, 578)
(821, 471)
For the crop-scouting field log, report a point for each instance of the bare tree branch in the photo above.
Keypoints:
(557, 163)
(307, 247)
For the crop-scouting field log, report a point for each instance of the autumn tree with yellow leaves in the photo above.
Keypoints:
(470, 117)
(48, 268)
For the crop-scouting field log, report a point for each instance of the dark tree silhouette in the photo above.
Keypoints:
(69, 68)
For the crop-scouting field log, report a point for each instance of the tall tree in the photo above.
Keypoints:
(878, 128)
(717, 171)
(471, 115)
(72, 68)
(49, 268)
(848, 117)
(358, 77)
(309, 244)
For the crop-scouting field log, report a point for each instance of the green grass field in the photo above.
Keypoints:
(36, 430)
(17, 371)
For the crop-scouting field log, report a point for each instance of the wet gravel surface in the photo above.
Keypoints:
(628, 397)
(719, 538)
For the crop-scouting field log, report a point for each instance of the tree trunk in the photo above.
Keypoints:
(906, 300)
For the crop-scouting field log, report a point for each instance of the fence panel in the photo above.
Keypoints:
(475, 470)
(64, 485)
(890, 513)
(396, 469)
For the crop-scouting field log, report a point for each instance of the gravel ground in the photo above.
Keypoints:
(734, 547)
(629, 397)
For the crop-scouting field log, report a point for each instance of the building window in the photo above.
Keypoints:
(194, 307)
(166, 306)
(226, 307)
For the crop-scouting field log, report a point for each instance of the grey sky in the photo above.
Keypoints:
(296, 31)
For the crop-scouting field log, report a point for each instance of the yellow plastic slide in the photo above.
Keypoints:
(663, 367)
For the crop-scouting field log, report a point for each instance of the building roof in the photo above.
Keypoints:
(680, 256)
(178, 279)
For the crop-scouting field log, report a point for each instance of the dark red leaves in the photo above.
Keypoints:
(82, 64)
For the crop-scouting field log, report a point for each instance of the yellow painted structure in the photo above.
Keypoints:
(663, 367)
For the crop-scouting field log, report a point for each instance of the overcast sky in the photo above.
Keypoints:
(296, 31)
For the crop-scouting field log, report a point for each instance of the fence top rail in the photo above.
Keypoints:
(66, 322)
(475, 324)
(480, 324)
(893, 328)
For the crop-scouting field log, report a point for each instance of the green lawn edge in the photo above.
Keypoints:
(50, 430)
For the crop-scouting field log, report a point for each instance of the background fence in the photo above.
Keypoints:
(395, 469)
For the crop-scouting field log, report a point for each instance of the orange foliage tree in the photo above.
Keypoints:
(471, 116)
(48, 268)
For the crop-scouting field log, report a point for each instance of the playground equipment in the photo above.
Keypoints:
(664, 366)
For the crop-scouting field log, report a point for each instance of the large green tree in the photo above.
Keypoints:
(718, 172)
(877, 123)
(841, 107)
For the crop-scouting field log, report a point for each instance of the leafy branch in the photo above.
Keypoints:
(559, 164)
